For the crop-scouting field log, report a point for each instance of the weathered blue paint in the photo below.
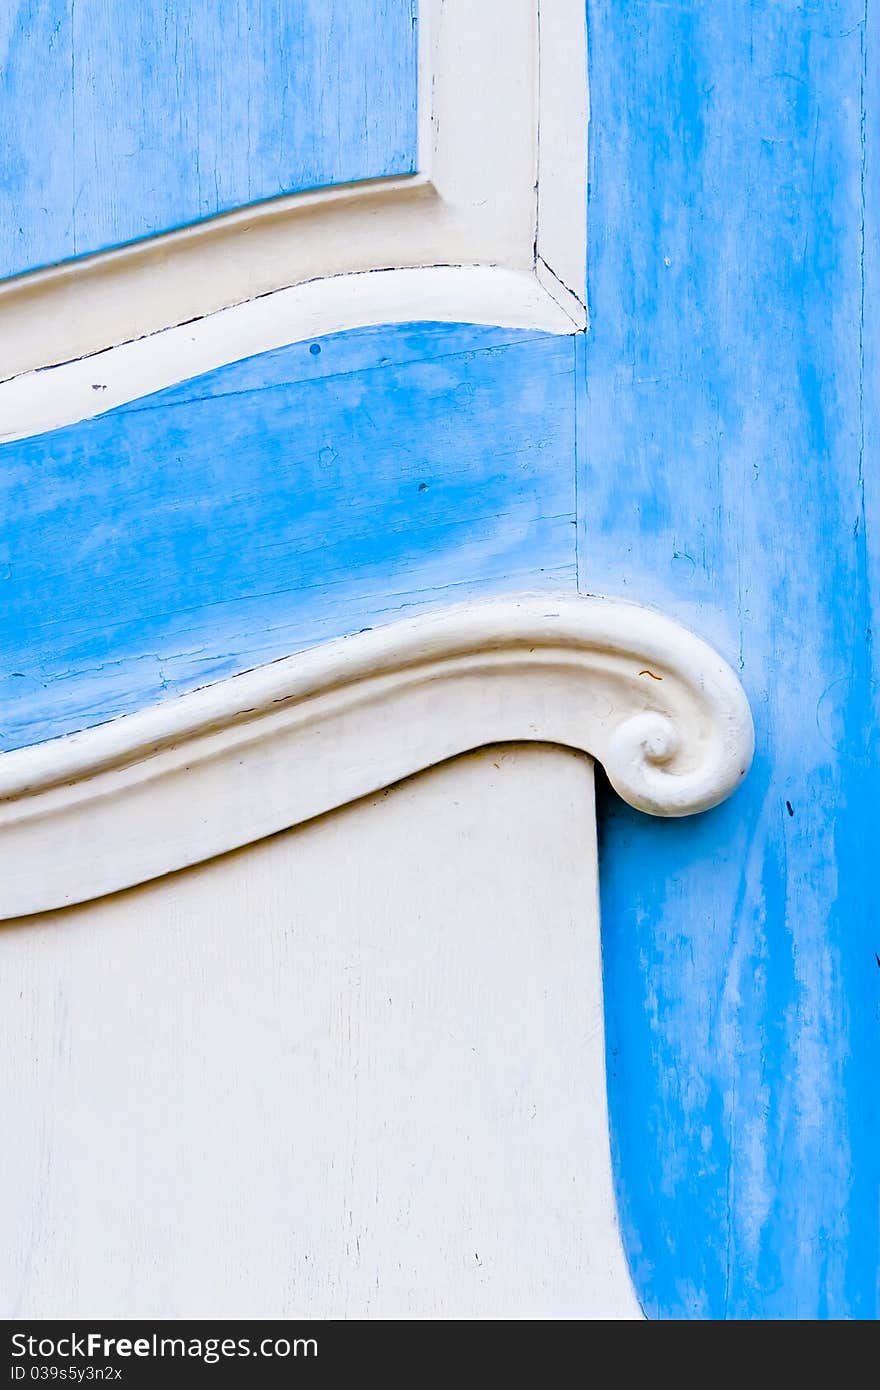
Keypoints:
(726, 426)
(122, 120)
(303, 494)
(727, 472)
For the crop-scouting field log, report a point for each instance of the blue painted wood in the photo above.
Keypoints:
(728, 471)
(121, 120)
(300, 495)
(725, 408)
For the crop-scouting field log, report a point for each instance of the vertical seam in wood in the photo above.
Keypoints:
(580, 433)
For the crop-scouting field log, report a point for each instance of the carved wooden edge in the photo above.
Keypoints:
(500, 190)
(39, 401)
(183, 781)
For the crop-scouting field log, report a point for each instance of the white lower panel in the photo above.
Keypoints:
(356, 1071)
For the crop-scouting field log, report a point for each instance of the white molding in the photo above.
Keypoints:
(501, 187)
(563, 114)
(171, 786)
(82, 389)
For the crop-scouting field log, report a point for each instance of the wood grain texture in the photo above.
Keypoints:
(728, 471)
(354, 1072)
(301, 495)
(118, 120)
(727, 428)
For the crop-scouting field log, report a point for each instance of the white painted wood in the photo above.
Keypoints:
(474, 203)
(353, 1072)
(204, 773)
(80, 389)
(564, 114)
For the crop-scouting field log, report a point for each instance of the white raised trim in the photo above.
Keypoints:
(501, 187)
(179, 783)
(82, 389)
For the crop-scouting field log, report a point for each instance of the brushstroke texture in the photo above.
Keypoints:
(300, 495)
(120, 120)
(728, 434)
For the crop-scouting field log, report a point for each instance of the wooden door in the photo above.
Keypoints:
(348, 352)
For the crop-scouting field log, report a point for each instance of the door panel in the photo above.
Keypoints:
(133, 117)
(354, 1071)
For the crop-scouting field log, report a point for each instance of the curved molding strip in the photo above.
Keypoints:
(177, 784)
(501, 187)
(39, 401)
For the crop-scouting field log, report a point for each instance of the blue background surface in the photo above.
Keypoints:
(124, 118)
(714, 437)
(729, 473)
(303, 494)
